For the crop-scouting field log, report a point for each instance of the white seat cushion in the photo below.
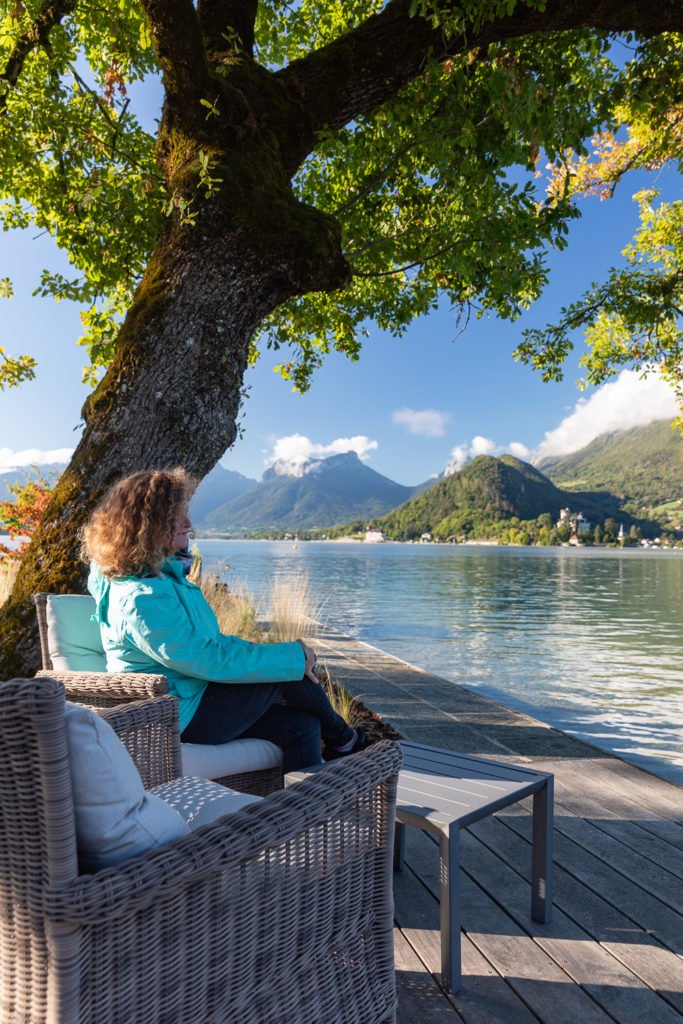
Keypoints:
(242, 755)
(115, 817)
(200, 801)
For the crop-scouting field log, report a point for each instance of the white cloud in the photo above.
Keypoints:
(628, 401)
(10, 460)
(428, 422)
(290, 453)
(457, 459)
(482, 446)
(462, 453)
(519, 450)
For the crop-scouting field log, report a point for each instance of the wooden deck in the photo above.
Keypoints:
(612, 952)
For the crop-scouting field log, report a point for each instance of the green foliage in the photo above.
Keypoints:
(434, 190)
(15, 369)
(75, 161)
(428, 205)
(632, 318)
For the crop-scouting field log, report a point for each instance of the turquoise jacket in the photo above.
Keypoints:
(164, 624)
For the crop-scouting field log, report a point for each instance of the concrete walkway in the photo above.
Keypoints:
(613, 949)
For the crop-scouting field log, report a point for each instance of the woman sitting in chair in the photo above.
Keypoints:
(152, 618)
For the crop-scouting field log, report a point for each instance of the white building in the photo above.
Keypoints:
(576, 521)
(373, 536)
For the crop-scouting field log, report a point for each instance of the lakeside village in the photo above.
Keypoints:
(572, 529)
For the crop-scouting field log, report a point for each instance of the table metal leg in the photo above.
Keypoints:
(449, 870)
(399, 845)
(542, 854)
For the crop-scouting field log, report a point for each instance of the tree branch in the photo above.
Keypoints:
(410, 266)
(51, 13)
(367, 66)
(180, 51)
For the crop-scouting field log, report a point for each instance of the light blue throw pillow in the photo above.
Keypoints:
(115, 817)
(73, 638)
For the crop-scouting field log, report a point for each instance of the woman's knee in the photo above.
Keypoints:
(306, 726)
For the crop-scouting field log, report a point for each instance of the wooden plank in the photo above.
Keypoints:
(644, 786)
(635, 949)
(647, 911)
(537, 979)
(570, 783)
(654, 879)
(664, 882)
(419, 997)
(619, 991)
(569, 779)
(484, 998)
(631, 833)
(541, 983)
(659, 799)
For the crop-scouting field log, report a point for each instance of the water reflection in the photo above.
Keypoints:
(589, 641)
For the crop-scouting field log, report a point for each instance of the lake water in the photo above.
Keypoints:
(590, 641)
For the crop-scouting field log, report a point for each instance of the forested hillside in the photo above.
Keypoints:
(490, 496)
(643, 467)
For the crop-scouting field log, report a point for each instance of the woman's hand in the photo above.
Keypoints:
(311, 660)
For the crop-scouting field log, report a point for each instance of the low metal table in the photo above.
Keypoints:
(441, 792)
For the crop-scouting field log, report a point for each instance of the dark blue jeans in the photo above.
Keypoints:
(292, 715)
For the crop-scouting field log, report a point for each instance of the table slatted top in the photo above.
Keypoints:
(438, 788)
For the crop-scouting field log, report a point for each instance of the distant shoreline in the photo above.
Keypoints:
(435, 544)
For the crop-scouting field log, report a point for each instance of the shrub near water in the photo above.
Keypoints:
(294, 609)
(234, 608)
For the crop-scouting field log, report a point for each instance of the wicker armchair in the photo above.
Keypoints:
(110, 689)
(280, 913)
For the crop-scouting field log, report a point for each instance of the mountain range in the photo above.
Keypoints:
(11, 477)
(634, 475)
(218, 487)
(315, 495)
(624, 475)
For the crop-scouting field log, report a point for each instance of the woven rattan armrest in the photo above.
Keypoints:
(149, 731)
(107, 689)
(230, 842)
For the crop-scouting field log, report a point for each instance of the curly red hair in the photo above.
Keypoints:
(132, 529)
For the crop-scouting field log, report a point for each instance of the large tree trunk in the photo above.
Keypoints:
(172, 394)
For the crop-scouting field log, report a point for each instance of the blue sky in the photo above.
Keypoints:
(409, 407)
